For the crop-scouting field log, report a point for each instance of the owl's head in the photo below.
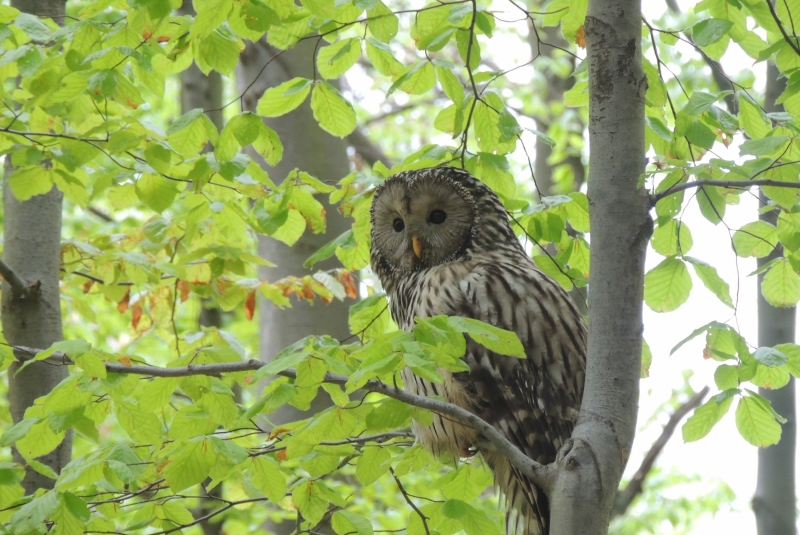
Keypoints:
(422, 218)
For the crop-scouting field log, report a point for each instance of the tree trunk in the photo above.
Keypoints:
(774, 500)
(32, 249)
(590, 470)
(309, 148)
(204, 91)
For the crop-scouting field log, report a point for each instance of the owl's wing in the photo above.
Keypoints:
(535, 401)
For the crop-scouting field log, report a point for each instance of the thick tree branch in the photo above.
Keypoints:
(634, 487)
(743, 184)
(541, 474)
(19, 287)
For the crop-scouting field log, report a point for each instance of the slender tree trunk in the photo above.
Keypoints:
(589, 473)
(309, 148)
(32, 249)
(204, 91)
(774, 503)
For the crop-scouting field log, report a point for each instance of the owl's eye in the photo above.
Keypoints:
(437, 217)
(398, 225)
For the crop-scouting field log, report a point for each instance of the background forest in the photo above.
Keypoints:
(192, 340)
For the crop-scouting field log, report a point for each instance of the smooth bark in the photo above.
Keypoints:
(204, 91)
(32, 249)
(583, 491)
(309, 148)
(774, 502)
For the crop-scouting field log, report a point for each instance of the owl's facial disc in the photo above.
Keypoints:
(421, 224)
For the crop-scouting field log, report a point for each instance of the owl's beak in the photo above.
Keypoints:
(416, 243)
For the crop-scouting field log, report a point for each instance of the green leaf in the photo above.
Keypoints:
(218, 51)
(373, 463)
(17, 431)
(190, 133)
(27, 182)
(31, 515)
(155, 192)
(33, 27)
(755, 420)
(334, 114)
(336, 59)
(349, 523)
(756, 239)
(766, 146)
(382, 23)
(282, 99)
(551, 267)
(493, 338)
(711, 203)
(672, 238)
(726, 377)
(710, 31)
(189, 465)
(383, 59)
(711, 279)
(370, 316)
(266, 474)
(310, 500)
(770, 357)
(455, 509)
(752, 119)
(667, 286)
(141, 426)
(705, 417)
(781, 285)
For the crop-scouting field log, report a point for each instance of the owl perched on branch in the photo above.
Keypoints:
(442, 244)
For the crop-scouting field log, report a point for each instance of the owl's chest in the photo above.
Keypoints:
(428, 293)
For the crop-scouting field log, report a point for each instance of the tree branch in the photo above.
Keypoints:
(19, 287)
(634, 487)
(743, 184)
(775, 16)
(541, 474)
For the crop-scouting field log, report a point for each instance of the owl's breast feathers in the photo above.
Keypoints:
(533, 401)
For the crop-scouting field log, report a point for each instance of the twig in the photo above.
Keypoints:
(539, 473)
(409, 502)
(19, 287)
(634, 486)
(742, 184)
(775, 16)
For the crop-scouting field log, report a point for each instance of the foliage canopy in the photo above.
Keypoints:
(87, 109)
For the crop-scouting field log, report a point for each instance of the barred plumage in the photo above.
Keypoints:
(442, 244)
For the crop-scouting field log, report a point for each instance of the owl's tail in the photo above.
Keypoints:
(527, 507)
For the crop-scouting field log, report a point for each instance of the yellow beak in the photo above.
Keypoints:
(416, 243)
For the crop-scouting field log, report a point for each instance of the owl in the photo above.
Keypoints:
(442, 244)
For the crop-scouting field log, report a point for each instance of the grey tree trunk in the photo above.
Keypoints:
(589, 472)
(309, 148)
(203, 91)
(32, 249)
(774, 503)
